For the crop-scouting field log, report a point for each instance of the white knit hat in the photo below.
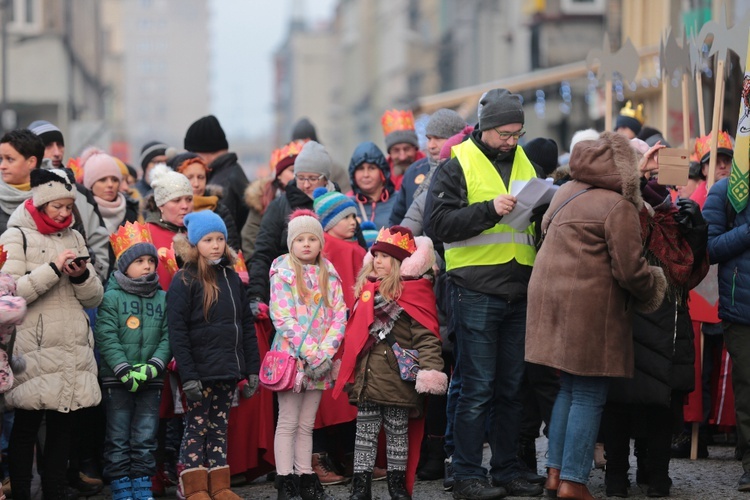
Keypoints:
(303, 221)
(50, 185)
(168, 184)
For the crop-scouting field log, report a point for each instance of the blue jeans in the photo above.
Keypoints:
(490, 336)
(575, 425)
(132, 425)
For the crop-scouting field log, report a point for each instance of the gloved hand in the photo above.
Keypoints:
(250, 387)
(689, 215)
(319, 371)
(133, 380)
(255, 303)
(193, 390)
(149, 370)
(537, 214)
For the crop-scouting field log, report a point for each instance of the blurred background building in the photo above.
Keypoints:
(119, 73)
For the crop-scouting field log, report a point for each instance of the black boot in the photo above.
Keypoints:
(433, 460)
(361, 486)
(311, 489)
(58, 491)
(397, 485)
(288, 487)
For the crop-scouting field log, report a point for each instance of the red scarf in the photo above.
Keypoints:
(44, 224)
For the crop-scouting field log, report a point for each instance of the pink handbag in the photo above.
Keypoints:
(278, 371)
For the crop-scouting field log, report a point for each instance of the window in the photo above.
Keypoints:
(24, 16)
(590, 7)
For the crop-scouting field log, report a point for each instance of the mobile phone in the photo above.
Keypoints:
(79, 261)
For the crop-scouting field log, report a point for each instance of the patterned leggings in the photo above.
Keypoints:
(396, 422)
(204, 442)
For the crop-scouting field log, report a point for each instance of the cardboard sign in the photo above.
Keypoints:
(674, 166)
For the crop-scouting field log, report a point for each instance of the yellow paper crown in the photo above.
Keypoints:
(291, 149)
(397, 119)
(127, 236)
(636, 113)
(3, 256)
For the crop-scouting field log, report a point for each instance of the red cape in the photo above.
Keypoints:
(346, 257)
(418, 300)
(251, 424)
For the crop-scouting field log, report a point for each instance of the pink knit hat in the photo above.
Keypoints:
(445, 151)
(97, 165)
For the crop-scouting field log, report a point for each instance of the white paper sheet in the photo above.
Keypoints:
(529, 195)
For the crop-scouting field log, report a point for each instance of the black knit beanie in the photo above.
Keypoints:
(205, 135)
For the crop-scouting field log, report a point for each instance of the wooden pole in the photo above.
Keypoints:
(664, 105)
(608, 105)
(716, 122)
(694, 433)
(685, 112)
(701, 112)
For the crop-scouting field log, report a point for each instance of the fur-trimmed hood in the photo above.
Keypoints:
(188, 254)
(420, 262)
(254, 193)
(608, 163)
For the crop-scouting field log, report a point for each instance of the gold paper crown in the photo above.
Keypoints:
(168, 259)
(291, 149)
(127, 236)
(3, 256)
(636, 113)
(703, 144)
(397, 119)
(402, 241)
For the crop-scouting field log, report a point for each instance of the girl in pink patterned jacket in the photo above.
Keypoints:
(309, 314)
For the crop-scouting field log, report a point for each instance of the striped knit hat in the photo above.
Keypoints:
(332, 207)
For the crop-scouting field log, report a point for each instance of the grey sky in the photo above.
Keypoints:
(244, 36)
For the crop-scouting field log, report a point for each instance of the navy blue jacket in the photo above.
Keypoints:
(222, 348)
(730, 248)
(405, 195)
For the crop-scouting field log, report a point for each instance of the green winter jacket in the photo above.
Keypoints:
(130, 330)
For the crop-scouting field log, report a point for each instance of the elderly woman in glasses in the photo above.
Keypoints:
(312, 170)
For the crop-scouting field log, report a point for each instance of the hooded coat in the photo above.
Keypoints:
(590, 271)
(55, 338)
(377, 211)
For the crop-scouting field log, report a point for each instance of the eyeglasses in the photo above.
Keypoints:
(310, 180)
(510, 135)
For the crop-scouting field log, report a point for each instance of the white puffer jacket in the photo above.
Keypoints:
(55, 337)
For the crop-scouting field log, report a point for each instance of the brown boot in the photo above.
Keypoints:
(577, 491)
(219, 480)
(553, 482)
(321, 465)
(195, 484)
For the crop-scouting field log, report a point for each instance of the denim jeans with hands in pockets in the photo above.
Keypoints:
(490, 336)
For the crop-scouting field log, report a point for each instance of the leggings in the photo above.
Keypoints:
(370, 416)
(204, 442)
(293, 440)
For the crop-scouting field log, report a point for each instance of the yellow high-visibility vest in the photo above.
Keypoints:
(501, 243)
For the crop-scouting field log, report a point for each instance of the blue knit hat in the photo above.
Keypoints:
(332, 207)
(369, 232)
(199, 224)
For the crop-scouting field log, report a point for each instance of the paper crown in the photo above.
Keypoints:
(168, 259)
(74, 164)
(636, 113)
(291, 149)
(397, 119)
(3, 256)
(404, 241)
(127, 236)
(703, 145)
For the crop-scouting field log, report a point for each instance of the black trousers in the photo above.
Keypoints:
(55, 455)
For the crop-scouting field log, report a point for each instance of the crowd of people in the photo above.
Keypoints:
(141, 305)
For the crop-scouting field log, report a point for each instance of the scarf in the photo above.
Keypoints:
(44, 224)
(667, 248)
(205, 203)
(11, 196)
(145, 286)
(113, 212)
(385, 313)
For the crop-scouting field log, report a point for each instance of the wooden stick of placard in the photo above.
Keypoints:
(608, 105)
(716, 122)
(685, 112)
(664, 104)
(701, 113)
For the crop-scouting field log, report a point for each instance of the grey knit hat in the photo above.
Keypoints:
(444, 123)
(132, 253)
(313, 158)
(500, 107)
(303, 221)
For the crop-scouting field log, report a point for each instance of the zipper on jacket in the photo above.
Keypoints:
(39, 335)
(734, 282)
(236, 330)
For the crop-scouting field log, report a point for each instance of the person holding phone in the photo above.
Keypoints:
(54, 338)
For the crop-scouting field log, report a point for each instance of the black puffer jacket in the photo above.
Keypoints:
(224, 347)
(663, 353)
(227, 173)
